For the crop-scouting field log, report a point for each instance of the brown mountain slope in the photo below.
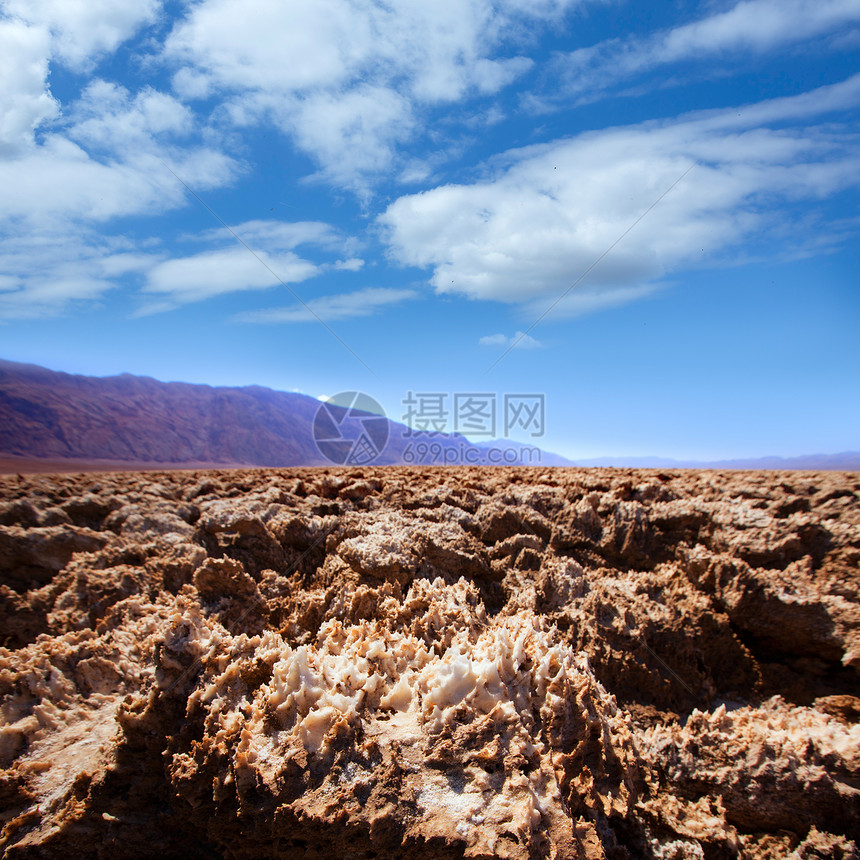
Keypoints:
(50, 416)
(45, 414)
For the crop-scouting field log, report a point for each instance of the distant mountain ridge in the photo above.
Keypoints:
(51, 416)
(47, 414)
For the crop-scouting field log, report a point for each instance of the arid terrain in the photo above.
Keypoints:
(430, 663)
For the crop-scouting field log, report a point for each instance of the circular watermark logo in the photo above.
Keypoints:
(350, 429)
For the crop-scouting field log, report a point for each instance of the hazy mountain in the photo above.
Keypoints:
(529, 454)
(47, 415)
(51, 416)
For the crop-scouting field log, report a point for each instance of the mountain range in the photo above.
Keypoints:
(50, 416)
(135, 421)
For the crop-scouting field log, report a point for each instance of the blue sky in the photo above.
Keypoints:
(417, 185)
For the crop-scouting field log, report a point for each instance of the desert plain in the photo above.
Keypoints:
(430, 663)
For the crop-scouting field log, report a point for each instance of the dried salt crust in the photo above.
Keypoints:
(434, 729)
(523, 690)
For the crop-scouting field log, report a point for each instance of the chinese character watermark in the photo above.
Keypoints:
(525, 412)
(425, 413)
(351, 429)
(474, 414)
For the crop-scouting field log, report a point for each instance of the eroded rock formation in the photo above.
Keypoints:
(430, 663)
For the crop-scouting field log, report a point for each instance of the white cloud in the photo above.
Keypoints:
(212, 273)
(191, 85)
(359, 72)
(353, 264)
(757, 24)
(102, 157)
(485, 118)
(361, 303)
(59, 180)
(107, 117)
(274, 235)
(587, 299)
(847, 40)
(232, 267)
(520, 340)
(528, 232)
(31, 34)
(84, 31)
(827, 99)
(47, 274)
(246, 46)
(440, 49)
(25, 102)
(351, 134)
(753, 25)
(420, 170)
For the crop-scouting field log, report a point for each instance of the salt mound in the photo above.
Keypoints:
(490, 733)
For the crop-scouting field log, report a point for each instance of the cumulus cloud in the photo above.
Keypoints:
(440, 50)
(520, 340)
(109, 118)
(25, 101)
(351, 134)
(32, 34)
(60, 181)
(81, 33)
(102, 158)
(359, 73)
(754, 26)
(64, 174)
(360, 303)
(549, 212)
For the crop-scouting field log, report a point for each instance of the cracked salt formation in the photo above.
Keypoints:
(515, 663)
(497, 713)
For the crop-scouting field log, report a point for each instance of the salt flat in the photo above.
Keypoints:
(383, 662)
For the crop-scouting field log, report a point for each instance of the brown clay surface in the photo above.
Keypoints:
(399, 662)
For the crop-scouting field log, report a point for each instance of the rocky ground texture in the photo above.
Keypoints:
(374, 662)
